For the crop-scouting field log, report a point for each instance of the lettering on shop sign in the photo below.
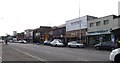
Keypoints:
(75, 33)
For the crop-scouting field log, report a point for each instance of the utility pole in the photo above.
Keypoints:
(79, 23)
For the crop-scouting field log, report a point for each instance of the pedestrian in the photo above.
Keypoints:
(6, 42)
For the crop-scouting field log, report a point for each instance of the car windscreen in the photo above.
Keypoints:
(72, 42)
(107, 43)
(60, 41)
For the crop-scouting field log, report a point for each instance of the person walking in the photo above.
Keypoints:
(6, 42)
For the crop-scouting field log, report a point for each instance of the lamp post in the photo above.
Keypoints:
(79, 23)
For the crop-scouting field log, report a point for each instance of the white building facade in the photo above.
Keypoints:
(76, 28)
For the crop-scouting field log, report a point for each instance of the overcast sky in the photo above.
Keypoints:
(18, 15)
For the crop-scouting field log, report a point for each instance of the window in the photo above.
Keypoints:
(76, 22)
(98, 23)
(106, 22)
(91, 24)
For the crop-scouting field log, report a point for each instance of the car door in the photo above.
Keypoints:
(103, 45)
(107, 45)
(74, 44)
(71, 44)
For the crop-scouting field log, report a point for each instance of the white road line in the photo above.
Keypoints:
(31, 55)
(82, 59)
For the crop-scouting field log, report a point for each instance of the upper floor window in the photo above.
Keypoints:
(106, 22)
(91, 24)
(98, 23)
(76, 22)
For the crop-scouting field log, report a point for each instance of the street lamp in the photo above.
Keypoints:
(79, 23)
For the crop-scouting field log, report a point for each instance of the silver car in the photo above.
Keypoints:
(75, 44)
(22, 41)
(56, 42)
(46, 42)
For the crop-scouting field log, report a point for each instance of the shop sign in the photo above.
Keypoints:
(98, 32)
(74, 34)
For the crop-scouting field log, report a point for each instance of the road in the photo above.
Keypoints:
(33, 52)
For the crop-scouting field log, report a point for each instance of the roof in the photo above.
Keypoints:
(63, 25)
(115, 30)
(82, 17)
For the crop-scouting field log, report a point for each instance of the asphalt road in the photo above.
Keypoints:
(33, 52)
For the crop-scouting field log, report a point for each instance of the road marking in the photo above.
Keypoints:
(82, 59)
(31, 55)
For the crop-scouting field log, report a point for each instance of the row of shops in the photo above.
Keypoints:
(93, 30)
(89, 30)
(49, 33)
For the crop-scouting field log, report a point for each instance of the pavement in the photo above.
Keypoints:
(0, 52)
(33, 52)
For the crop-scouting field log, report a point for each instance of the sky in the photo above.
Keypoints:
(19, 15)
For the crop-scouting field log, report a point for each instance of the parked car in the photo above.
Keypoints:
(105, 45)
(57, 42)
(46, 42)
(16, 41)
(115, 56)
(10, 41)
(22, 41)
(76, 44)
(1, 41)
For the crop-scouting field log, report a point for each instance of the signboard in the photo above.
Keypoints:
(76, 24)
(98, 32)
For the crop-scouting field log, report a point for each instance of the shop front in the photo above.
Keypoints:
(116, 34)
(96, 37)
(75, 36)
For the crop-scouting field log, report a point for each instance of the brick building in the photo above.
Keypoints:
(41, 34)
(58, 32)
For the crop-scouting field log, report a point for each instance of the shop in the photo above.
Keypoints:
(96, 37)
(76, 36)
(116, 34)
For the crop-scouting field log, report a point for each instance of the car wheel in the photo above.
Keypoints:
(78, 46)
(55, 45)
(97, 48)
(51, 45)
(117, 58)
(69, 46)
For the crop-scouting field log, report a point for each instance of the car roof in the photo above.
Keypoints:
(72, 41)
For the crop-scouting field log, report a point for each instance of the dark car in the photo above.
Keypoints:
(105, 45)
